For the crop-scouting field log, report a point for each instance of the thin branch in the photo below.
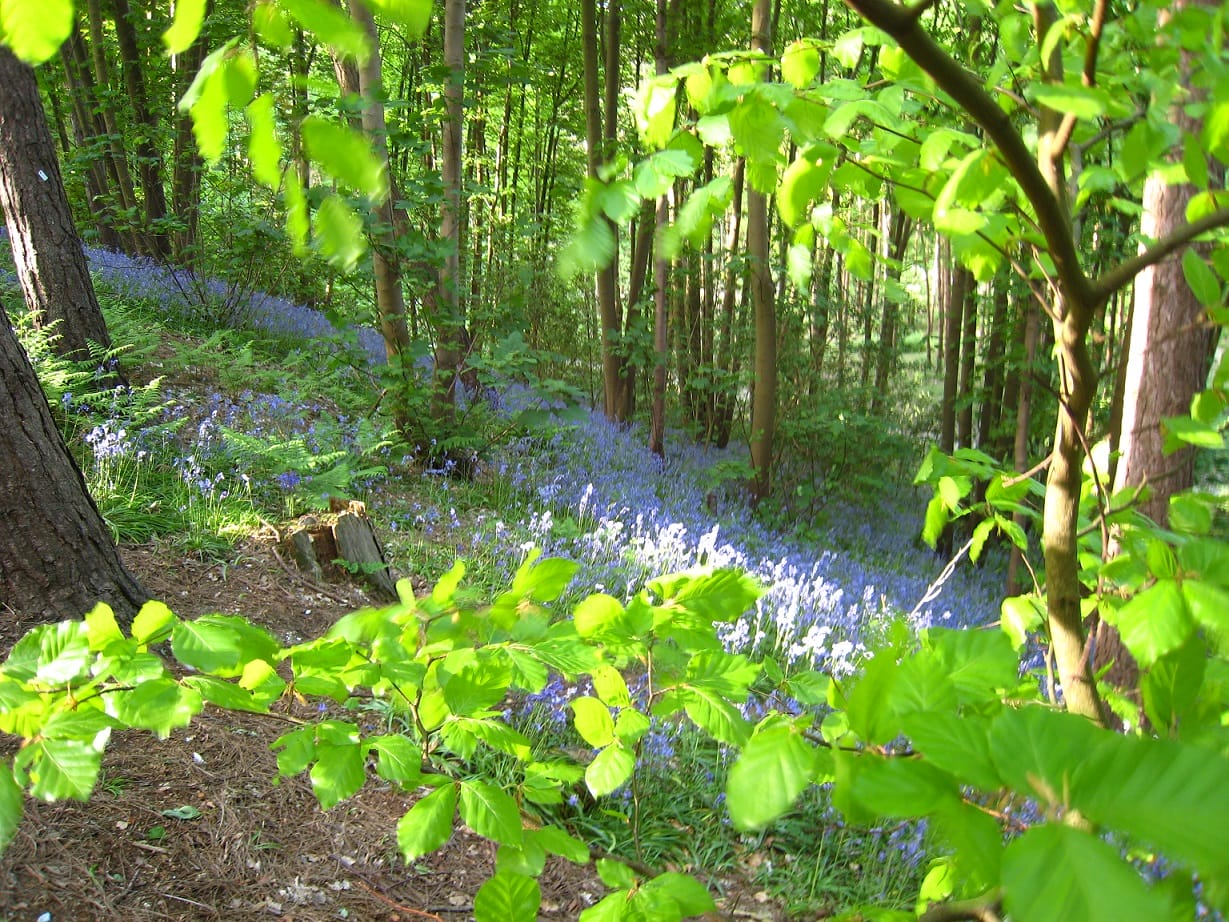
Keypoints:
(1026, 475)
(1088, 77)
(1124, 273)
(968, 93)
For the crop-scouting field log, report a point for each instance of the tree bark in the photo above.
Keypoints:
(57, 558)
(764, 396)
(607, 278)
(51, 266)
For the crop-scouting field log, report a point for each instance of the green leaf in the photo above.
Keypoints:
(691, 896)
(958, 744)
(544, 580)
(338, 773)
(346, 155)
(1168, 795)
(655, 175)
(12, 805)
(557, 842)
(412, 15)
(60, 769)
(774, 768)
(715, 716)
(271, 25)
(631, 725)
(1154, 622)
(1204, 283)
(1038, 751)
(1055, 873)
(101, 627)
(655, 112)
(593, 721)
(35, 31)
(1022, 615)
(490, 812)
(694, 220)
(225, 694)
(610, 770)
(186, 812)
(800, 63)
(186, 26)
(480, 683)
(1209, 606)
(1171, 687)
(508, 897)
(331, 26)
(801, 184)
(936, 520)
(758, 129)
(428, 824)
(615, 874)
(64, 653)
(611, 688)
(159, 705)
(339, 233)
(264, 149)
(980, 664)
(153, 623)
(1085, 102)
(901, 788)
(1181, 431)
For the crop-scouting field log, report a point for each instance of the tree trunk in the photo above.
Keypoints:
(764, 396)
(607, 278)
(149, 158)
(57, 558)
(51, 266)
(968, 362)
(957, 291)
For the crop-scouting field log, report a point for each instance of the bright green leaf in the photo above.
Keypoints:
(331, 26)
(428, 824)
(339, 233)
(593, 721)
(153, 623)
(412, 15)
(264, 149)
(60, 769)
(610, 770)
(346, 155)
(508, 897)
(1154, 622)
(186, 26)
(800, 63)
(490, 812)
(1055, 873)
(774, 768)
(12, 805)
(160, 705)
(35, 31)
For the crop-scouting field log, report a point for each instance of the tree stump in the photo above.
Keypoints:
(342, 546)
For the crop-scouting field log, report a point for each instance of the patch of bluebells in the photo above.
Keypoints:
(599, 497)
(183, 294)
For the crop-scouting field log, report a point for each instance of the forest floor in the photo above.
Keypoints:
(250, 849)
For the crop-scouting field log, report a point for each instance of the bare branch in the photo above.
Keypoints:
(1124, 273)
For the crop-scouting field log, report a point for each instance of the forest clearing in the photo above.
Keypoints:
(614, 460)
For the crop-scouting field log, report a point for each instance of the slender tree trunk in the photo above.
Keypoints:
(968, 362)
(957, 290)
(661, 272)
(149, 158)
(111, 126)
(451, 335)
(386, 267)
(996, 344)
(764, 397)
(607, 280)
(188, 166)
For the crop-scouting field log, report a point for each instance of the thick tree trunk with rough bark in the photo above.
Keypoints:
(51, 266)
(57, 559)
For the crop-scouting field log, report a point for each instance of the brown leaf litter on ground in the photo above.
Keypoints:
(193, 827)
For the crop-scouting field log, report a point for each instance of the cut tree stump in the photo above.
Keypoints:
(342, 546)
